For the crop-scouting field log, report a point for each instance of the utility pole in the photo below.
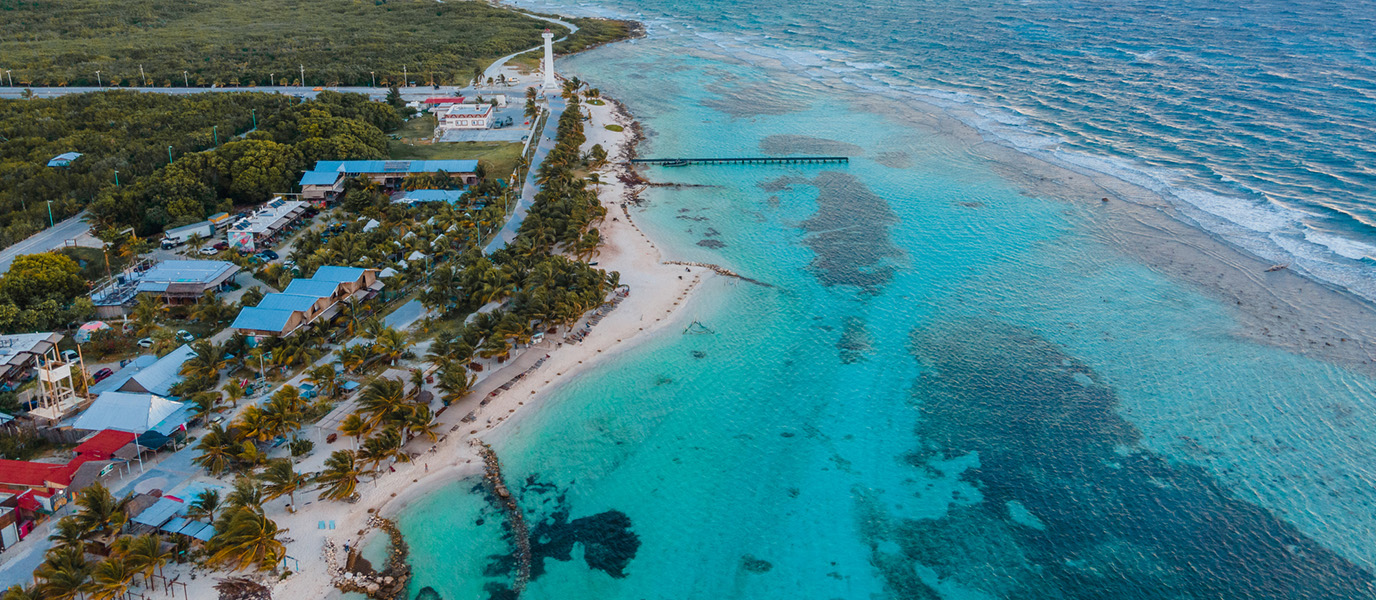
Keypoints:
(143, 76)
(303, 75)
(185, 81)
(404, 77)
(98, 79)
(374, 76)
(169, 155)
(272, 79)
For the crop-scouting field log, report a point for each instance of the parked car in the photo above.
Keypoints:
(146, 343)
(102, 374)
(209, 251)
(185, 335)
(269, 255)
(222, 246)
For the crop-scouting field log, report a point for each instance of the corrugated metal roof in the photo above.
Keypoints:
(186, 271)
(126, 411)
(311, 287)
(320, 178)
(159, 377)
(299, 302)
(396, 166)
(193, 226)
(63, 159)
(122, 376)
(161, 511)
(262, 319)
(337, 275)
(413, 196)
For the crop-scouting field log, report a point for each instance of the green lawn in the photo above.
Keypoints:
(615, 127)
(499, 156)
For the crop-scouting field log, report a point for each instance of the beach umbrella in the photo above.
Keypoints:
(84, 333)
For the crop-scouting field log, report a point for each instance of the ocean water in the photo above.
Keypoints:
(957, 388)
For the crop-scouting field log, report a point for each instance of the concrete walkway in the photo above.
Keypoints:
(545, 145)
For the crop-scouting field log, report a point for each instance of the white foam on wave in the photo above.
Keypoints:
(1342, 246)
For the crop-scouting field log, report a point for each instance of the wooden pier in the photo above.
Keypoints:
(758, 160)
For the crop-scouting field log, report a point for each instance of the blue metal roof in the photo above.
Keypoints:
(186, 271)
(320, 178)
(450, 196)
(262, 319)
(312, 287)
(160, 512)
(64, 159)
(123, 375)
(354, 167)
(299, 302)
(337, 275)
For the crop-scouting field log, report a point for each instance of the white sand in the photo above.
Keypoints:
(657, 292)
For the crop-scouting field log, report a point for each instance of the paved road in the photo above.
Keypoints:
(546, 143)
(51, 238)
(418, 92)
(496, 67)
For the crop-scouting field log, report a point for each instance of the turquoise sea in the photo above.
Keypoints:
(960, 387)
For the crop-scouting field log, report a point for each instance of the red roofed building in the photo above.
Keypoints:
(443, 100)
(102, 446)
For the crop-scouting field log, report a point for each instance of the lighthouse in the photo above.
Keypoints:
(549, 84)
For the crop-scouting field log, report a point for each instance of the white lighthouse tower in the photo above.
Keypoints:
(549, 84)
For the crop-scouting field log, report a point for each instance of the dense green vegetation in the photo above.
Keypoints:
(332, 126)
(115, 131)
(42, 291)
(255, 42)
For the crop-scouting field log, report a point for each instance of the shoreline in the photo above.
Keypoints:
(658, 293)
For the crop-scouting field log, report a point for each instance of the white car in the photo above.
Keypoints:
(209, 251)
(185, 335)
(146, 343)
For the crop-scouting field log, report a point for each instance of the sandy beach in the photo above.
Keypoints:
(657, 292)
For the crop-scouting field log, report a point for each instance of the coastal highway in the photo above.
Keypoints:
(51, 238)
(418, 92)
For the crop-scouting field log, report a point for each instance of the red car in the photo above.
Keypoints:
(102, 374)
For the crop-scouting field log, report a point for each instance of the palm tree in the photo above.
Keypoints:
(98, 512)
(325, 380)
(233, 392)
(246, 538)
(207, 361)
(247, 493)
(250, 456)
(354, 425)
(384, 400)
(454, 381)
(68, 533)
(20, 592)
(386, 444)
(281, 479)
(340, 476)
(216, 448)
(147, 312)
(254, 424)
(195, 242)
(204, 404)
(145, 555)
(63, 573)
(111, 579)
(204, 506)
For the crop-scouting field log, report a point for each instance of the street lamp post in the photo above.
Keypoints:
(169, 155)
(98, 79)
(254, 112)
(185, 80)
(272, 79)
(50, 214)
(374, 76)
(215, 130)
(116, 177)
(10, 77)
(303, 75)
(143, 76)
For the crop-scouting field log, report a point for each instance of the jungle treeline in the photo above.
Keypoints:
(258, 42)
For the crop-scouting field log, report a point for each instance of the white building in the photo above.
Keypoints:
(464, 116)
(260, 228)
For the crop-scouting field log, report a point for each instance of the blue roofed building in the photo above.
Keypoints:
(64, 159)
(172, 281)
(326, 180)
(307, 301)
